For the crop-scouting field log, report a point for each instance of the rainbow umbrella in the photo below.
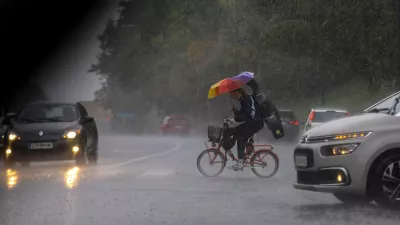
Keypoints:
(244, 77)
(224, 86)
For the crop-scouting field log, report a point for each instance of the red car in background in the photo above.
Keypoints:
(175, 125)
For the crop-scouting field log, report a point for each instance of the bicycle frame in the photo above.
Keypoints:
(217, 148)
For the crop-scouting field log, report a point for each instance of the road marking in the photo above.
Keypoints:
(176, 148)
(158, 173)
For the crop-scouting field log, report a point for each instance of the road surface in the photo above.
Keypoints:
(154, 180)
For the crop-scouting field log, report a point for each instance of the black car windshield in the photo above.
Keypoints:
(287, 115)
(48, 113)
(327, 116)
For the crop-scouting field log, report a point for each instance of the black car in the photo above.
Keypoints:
(290, 125)
(50, 131)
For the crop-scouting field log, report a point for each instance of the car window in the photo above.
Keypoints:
(321, 117)
(48, 113)
(287, 115)
(385, 104)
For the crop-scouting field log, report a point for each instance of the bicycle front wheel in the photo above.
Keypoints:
(267, 161)
(211, 158)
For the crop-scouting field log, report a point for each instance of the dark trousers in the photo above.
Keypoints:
(242, 133)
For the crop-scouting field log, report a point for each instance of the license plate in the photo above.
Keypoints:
(300, 161)
(179, 127)
(45, 145)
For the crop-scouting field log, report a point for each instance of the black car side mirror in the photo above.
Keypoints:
(87, 119)
(8, 119)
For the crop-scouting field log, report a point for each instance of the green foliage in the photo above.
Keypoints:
(166, 54)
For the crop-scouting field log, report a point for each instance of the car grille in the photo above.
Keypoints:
(34, 136)
(306, 152)
(320, 177)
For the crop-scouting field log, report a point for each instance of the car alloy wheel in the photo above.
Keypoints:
(385, 185)
(391, 182)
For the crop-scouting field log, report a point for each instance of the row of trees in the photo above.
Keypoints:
(162, 56)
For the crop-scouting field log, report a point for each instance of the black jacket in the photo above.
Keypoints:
(249, 113)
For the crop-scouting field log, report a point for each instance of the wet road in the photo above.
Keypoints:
(155, 181)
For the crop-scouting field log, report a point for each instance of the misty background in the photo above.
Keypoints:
(146, 59)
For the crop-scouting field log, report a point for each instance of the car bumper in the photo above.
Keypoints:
(335, 174)
(62, 150)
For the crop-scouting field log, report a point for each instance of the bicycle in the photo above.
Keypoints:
(252, 157)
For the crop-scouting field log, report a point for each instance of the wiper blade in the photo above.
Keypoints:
(54, 119)
(27, 120)
(376, 110)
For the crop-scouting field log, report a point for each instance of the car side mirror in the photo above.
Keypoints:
(86, 119)
(8, 119)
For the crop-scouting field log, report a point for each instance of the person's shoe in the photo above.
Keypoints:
(238, 166)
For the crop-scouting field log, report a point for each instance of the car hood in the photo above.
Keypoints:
(46, 127)
(356, 123)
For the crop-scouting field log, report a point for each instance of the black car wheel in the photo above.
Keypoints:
(352, 198)
(81, 158)
(93, 155)
(386, 182)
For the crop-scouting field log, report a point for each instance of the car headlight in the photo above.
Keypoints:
(352, 135)
(335, 150)
(12, 136)
(71, 134)
(338, 137)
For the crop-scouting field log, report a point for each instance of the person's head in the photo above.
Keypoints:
(237, 94)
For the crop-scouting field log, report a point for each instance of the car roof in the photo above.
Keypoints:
(49, 103)
(330, 109)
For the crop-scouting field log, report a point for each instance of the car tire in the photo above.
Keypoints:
(81, 158)
(352, 199)
(382, 188)
(93, 156)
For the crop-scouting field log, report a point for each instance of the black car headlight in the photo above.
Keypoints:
(71, 134)
(335, 150)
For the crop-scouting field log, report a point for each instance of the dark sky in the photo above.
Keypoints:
(31, 32)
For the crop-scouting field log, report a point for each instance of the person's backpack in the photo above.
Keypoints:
(271, 117)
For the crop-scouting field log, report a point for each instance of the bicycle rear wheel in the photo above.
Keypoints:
(213, 158)
(258, 160)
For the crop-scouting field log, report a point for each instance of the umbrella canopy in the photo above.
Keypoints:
(224, 86)
(244, 77)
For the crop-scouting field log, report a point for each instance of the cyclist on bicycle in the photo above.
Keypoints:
(252, 122)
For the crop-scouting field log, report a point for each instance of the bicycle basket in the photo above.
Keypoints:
(214, 134)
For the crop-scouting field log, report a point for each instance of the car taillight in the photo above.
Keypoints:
(348, 113)
(294, 122)
(312, 116)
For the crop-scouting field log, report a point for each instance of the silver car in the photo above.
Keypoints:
(356, 158)
(318, 116)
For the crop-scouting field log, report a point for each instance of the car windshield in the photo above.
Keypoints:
(287, 115)
(384, 105)
(48, 113)
(321, 117)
